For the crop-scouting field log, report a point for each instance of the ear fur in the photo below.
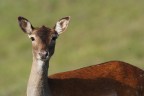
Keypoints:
(25, 25)
(62, 25)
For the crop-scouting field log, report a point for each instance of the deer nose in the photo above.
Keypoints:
(44, 54)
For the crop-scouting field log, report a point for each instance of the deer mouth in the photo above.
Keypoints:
(43, 57)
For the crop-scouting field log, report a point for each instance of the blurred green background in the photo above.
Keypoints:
(99, 31)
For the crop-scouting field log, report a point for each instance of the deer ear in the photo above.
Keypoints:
(25, 25)
(62, 25)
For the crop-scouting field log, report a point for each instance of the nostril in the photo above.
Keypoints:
(43, 55)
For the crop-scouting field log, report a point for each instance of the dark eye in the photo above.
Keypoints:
(54, 36)
(32, 38)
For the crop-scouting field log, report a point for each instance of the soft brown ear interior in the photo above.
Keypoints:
(25, 25)
(62, 25)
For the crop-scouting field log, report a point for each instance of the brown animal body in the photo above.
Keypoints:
(114, 78)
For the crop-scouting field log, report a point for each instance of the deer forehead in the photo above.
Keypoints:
(42, 32)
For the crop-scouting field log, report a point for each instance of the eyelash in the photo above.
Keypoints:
(32, 38)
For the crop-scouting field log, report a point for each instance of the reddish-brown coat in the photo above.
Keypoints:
(114, 78)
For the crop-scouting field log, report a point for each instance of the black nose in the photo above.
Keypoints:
(43, 55)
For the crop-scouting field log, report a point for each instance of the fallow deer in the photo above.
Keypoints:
(113, 78)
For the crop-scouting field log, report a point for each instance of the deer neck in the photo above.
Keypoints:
(38, 80)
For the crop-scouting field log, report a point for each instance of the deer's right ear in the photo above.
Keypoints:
(25, 25)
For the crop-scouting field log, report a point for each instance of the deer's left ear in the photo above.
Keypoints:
(25, 25)
(62, 25)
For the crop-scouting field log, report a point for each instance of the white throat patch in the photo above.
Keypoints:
(40, 64)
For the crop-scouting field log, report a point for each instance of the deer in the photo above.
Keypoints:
(112, 78)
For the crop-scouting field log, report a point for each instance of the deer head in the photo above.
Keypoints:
(43, 38)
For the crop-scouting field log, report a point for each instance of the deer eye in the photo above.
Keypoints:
(54, 36)
(32, 38)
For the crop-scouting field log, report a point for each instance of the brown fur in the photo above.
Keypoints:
(44, 34)
(113, 78)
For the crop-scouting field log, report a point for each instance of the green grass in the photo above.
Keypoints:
(99, 31)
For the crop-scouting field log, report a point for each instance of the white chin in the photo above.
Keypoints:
(42, 59)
